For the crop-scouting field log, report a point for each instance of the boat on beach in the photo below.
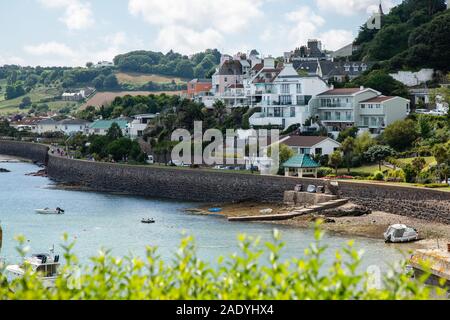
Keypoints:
(148, 221)
(50, 211)
(399, 233)
(45, 265)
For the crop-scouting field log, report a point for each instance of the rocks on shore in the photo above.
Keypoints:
(2, 170)
(348, 210)
(40, 173)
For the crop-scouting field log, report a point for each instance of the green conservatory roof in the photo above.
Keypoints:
(106, 124)
(302, 161)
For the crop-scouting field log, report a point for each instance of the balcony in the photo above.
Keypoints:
(348, 106)
(377, 125)
(338, 119)
(263, 119)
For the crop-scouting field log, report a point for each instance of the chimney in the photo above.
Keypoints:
(361, 88)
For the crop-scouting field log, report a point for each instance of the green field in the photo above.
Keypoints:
(143, 78)
(37, 96)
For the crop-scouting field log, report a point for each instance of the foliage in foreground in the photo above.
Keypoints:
(238, 277)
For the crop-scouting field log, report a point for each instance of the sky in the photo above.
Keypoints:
(73, 32)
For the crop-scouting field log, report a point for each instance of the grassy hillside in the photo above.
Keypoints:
(140, 79)
(40, 95)
(104, 98)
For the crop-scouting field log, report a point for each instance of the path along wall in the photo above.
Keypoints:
(218, 186)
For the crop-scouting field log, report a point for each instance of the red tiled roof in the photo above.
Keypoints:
(341, 91)
(378, 99)
(258, 66)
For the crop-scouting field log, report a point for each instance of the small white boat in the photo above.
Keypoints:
(46, 265)
(399, 233)
(50, 211)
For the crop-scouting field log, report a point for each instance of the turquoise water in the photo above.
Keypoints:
(97, 220)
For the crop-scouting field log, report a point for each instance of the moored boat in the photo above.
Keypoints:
(50, 211)
(45, 265)
(399, 233)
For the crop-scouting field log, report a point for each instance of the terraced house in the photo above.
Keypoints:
(286, 98)
(365, 108)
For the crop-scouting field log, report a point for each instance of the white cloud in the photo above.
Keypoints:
(353, 7)
(60, 54)
(336, 38)
(306, 25)
(301, 25)
(50, 49)
(197, 24)
(77, 15)
(187, 40)
(8, 59)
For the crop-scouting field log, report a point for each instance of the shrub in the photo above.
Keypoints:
(378, 176)
(396, 176)
(324, 172)
(242, 276)
(436, 185)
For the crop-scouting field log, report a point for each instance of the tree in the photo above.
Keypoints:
(379, 153)
(380, 80)
(89, 65)
(418, 165)
(119, 149)
(220, 111)
(349, 132)
(441, 153)
(362, 143)
(335, 160)
(347, 148)
(401, 134)
(111, 82)
(114, 132)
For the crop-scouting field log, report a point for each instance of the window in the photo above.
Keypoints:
(292, 112)
(277, 112)
(337, 115)
(348, 115)
(285, 100)
(226, 79)
(318, 151)
(327, 115)
(366, 121)
(285, 89)
(140, 133)
(299, 88)
(363, 106)
(378, 106)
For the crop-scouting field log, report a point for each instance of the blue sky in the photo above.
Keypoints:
(72, 32)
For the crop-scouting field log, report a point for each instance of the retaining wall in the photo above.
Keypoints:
(218, 186)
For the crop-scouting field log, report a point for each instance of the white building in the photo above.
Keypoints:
(365, 108)
(285, 96)
(46, 126)
(137, 127)
(312, 145)
(72, 126)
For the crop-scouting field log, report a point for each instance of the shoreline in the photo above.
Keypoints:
(372, 226)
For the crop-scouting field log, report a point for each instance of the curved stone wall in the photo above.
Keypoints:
(218, 186)
(32, 151)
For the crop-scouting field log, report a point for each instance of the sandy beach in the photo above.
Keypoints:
(373, 225)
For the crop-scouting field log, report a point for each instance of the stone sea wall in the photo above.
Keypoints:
(217, 186)
(32, 151)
